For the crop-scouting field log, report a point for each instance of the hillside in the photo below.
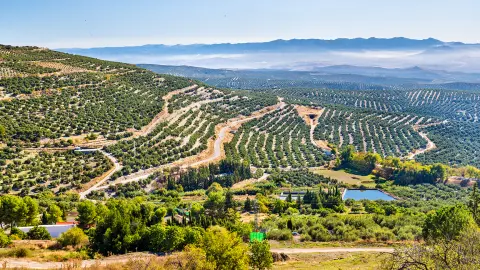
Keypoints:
(155, 164)
(137, 121)
(52, 102)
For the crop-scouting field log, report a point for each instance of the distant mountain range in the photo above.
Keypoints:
(303, 54)
(280, 45)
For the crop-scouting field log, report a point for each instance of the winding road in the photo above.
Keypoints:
(218, 151)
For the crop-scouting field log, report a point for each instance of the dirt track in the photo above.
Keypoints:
(10, 263)
(329, 250)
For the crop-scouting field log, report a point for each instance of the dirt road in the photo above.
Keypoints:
(231, 124)
(16, 263)
(117, 167)
(329, 250)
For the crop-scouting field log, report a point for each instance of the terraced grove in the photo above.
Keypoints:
(280, 139)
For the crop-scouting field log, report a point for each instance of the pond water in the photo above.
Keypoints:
(369, 194)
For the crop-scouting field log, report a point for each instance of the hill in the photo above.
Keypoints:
(135, 121)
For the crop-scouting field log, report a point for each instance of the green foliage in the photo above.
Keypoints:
(225, 250)
(53, 214)
(447, 223)
(86, 214)
(4, 239)
(18, 233)
(13, 210)
(474, 203)
(73, 237)
(38, 233)
(260, 255)
(279, 139)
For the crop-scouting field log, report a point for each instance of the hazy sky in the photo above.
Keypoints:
(94, 23)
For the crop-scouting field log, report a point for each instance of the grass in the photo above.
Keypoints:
(327, 261)
(296, 243)
(347, 178)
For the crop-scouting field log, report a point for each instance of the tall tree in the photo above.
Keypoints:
(87, 214)
(474, 203)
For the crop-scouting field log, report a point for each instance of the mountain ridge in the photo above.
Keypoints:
(339, 43)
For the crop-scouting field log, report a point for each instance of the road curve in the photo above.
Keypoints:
(217, 146)
(117, 167)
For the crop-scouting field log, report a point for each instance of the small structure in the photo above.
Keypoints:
(84, 150)
(54, 230)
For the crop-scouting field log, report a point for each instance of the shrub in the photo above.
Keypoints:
(18, 233)
(38, 233)
(4, 240)
(73, 237)
(277, 234)
(20, 252)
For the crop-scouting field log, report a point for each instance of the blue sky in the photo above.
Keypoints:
(88, 23)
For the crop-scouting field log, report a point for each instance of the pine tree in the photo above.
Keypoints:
(290, 224)
(289, 197)
(44, 218)
(248, 205)
(299, 201)
(229, 201)
(474, 203)
(315, 201)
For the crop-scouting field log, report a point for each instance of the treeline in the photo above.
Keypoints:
(391, 168)
(226, 173)
(299, 178)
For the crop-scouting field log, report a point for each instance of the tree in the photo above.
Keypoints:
(73, 237)
(439, 172)
(461, 254)
(289, 197)
(248, 205)
(290, 224)
(38, 233)
(224, 249)
(13, 210)
(260, 255)
(155, 237)
(347, 155)
(215, 187)
(192, 258)
(474, 203)
(54, 214)
(3, 132)
(32, 211)
(174, 238)
(87, 214)
(159, 215)
(215, 204)
(447, 223)
(229, 201)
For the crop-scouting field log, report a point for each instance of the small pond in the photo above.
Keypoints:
(367, 194)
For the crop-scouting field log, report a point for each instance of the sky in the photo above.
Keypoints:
(101, 23)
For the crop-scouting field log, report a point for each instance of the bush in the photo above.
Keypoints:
(18, 233)
(277, 234)
(38, 233)
(4, 240)
(73, 237)
(20, 252)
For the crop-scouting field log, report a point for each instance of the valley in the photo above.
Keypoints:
(164, 162)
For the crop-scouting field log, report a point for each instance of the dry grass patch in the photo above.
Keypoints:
(347, 178)
(327, 261)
